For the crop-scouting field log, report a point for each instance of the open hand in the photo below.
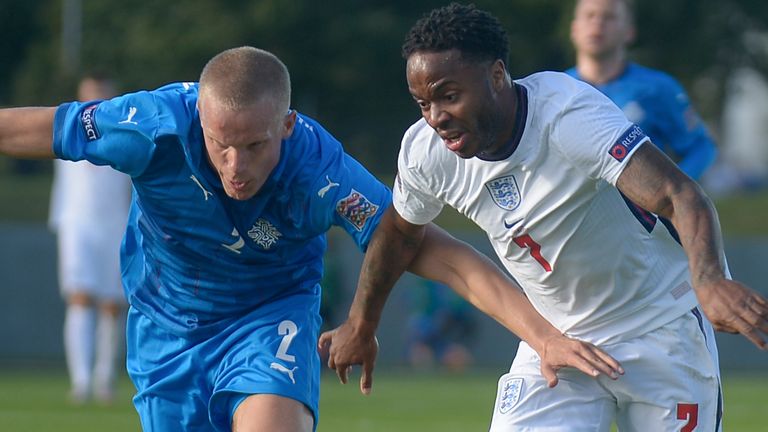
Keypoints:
(562, 351)
(732, 307)
(348, 345)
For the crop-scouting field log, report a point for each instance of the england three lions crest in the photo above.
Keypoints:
(510, 390)
(504, 192)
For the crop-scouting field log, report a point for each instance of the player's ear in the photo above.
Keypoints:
(289, 121)
(499, 75)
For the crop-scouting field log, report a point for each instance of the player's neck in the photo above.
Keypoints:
(508, 104)
(600, 70)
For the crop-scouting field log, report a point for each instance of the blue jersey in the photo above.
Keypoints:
(658, 104)
(194, 259)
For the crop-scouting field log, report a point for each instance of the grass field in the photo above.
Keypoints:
(402, 402)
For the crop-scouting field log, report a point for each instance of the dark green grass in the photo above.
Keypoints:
(403, 402)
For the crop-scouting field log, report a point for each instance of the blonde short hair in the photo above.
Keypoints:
(240, 77)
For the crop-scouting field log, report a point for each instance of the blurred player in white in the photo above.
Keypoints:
(89, 210)
(558, 178)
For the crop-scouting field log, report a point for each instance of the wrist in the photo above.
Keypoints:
(542, 342)
(362, 326)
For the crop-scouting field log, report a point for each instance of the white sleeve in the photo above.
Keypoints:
(596, 136)
(412, 197)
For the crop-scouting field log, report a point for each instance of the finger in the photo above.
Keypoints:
(325, 339)
(550, 375)
(366, 379)
(759, 307)
(579, 361)
(613, 366)
(342, 371)
(754, 337)
(760, 300)
(323, 348)
(750, 332)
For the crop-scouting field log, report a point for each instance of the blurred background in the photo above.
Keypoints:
(347, 72)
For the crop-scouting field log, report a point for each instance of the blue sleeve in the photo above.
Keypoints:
(343, 193)
(682, 130)
(119, 132)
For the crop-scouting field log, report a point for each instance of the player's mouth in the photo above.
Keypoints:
(238, 185)
(454, 141)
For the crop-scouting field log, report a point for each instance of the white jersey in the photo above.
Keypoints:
(595, 266)
(89, 212)
(89, 196)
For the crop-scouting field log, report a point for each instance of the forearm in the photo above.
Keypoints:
(477, 279)
(694, 217)
(27, 132)
(653, 182)
(389, 254)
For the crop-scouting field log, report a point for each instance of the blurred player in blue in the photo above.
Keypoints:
(440, 327)
(222, 257)
(600, 32)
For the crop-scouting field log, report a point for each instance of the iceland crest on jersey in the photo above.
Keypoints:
(504, 192)
(511, 388)
(264, 233)
(356, 208)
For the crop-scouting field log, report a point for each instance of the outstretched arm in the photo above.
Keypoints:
(27, 132)
(653, 182)
(390, 252)
(481, 282)
(443, 258)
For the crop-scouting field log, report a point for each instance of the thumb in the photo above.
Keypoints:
(550, 375)
(325, 340)
(366, 379)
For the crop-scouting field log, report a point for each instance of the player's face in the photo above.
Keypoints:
(601, 27)
(244, 145)
(459, 99)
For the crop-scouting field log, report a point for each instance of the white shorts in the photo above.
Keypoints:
(89, 262)
(671, 383)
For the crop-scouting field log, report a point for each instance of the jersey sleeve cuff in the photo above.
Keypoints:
(58, 126)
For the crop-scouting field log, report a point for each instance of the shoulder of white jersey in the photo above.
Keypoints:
(555, 79)
(553, 85)
(421, 145)
(417, 132)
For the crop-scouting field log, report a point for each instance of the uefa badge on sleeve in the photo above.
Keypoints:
(626, 142)
(510, 389)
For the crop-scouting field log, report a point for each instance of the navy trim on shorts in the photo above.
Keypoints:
(697, 313)
(719, 415)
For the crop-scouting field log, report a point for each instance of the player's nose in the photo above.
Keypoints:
(437, 117)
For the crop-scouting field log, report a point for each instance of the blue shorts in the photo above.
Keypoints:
(196, 385)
